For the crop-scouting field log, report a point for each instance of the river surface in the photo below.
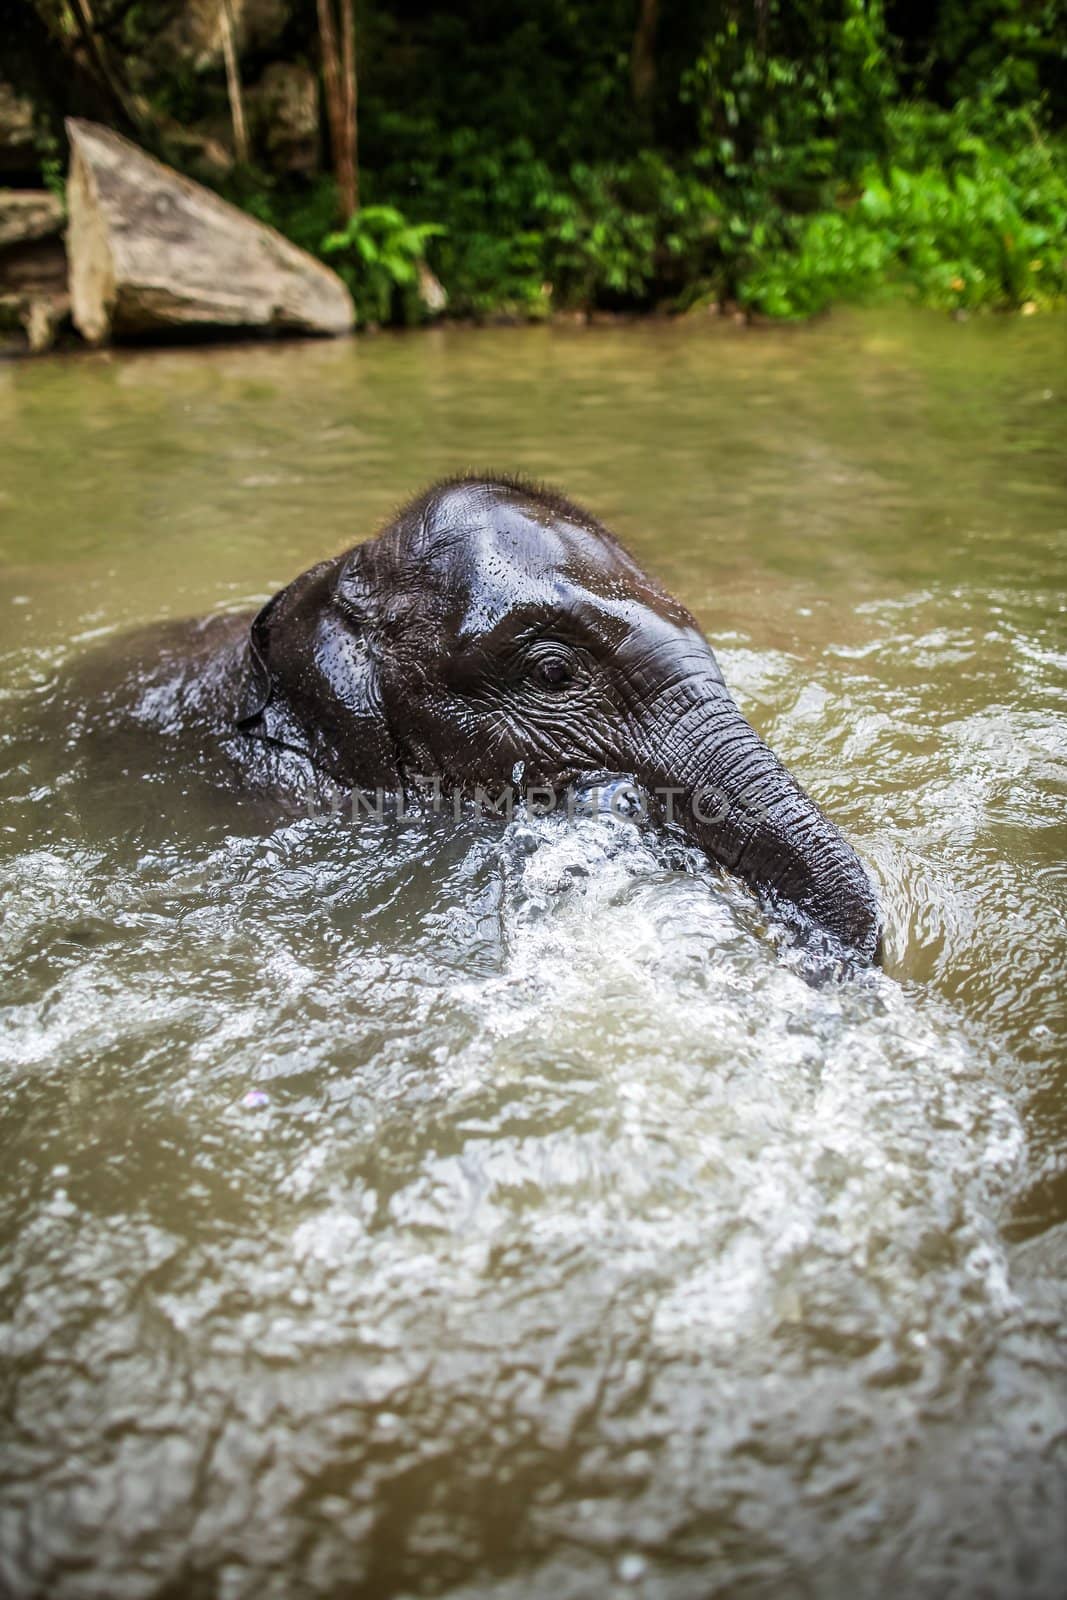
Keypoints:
(498, 1211)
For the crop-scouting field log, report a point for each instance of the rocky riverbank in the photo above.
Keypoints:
(143, 252)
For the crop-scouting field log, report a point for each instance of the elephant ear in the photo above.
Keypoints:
(261, 712)
(312, 683)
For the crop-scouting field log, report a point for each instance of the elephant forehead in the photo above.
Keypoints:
(515, 562)
(612, 610)
(625, 625)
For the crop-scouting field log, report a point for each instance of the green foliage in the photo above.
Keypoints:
(800, 179)
(53, 175)
(1014, 51)
(305, 213)
(623, 234)
(787, 153)
(807, 184)
(983, 226)
(552, 75)
(493, 199)
(791, 98)
(523, 239)
(788, 99)
(378, 253)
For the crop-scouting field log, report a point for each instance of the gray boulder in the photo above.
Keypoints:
(27, 214)
(33, 265)
(151, 251)
(195, 34)
(285, 111)
(17, 150)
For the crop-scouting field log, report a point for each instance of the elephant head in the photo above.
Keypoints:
(492, 624)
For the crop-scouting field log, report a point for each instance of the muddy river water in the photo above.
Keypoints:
(497, 1211)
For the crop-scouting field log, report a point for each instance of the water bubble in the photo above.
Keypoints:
(630, 1568)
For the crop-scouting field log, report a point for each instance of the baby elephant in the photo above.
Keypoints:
(495, 630)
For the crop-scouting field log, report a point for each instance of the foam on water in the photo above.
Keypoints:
(565, 1194)
(511, 1212)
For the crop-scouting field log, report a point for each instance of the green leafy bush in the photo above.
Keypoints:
(962, 208)
(522, 239)
(955, 220)
(627, 234)
(378, 253)
(493, 199)
(786, 153)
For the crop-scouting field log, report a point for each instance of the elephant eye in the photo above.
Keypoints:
(553, 674)
(552, 670)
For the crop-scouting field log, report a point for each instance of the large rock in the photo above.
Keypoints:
(33, 265)
(33, 289)
(153, 252)
(285, 113)
(17, 150)
(195, 34)
(27, 214)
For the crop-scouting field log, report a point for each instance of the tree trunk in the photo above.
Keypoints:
(642, 55)
(233, 84)
(348, 67)
(339, 78)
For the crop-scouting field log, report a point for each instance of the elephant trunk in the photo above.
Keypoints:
(745, 811)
